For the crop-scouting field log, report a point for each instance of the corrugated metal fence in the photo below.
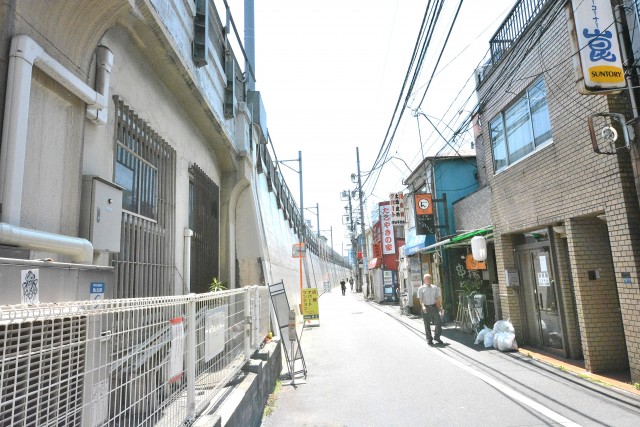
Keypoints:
(125, 362)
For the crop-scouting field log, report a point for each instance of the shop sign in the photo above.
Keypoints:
(310, 308)
(598, 46)
(388, 237)
(397, 209)
(472, 264)
(425, 223)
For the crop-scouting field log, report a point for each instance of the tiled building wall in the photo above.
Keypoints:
(509, 300)
(597, 297)
(564, 179)
(567, 297)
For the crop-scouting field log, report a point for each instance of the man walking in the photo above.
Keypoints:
(431, 300)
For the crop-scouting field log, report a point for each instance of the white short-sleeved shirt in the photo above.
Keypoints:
(428, 294)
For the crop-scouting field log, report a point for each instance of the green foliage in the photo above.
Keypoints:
(271, 400)
(471, 286)
(636, 386)
(216, 285)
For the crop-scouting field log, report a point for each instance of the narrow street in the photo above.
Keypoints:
(370, 366)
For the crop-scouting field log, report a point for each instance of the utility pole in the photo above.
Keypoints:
(365, 266)
(352, 234)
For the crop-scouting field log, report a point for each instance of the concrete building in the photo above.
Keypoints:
(447, 179)
(566, 218)
(134, 145)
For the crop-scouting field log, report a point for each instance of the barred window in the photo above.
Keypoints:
(522, 128)
(145, 166)
(135, 169)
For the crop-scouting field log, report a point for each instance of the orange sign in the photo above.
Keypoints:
(472, 264)
(424, 204)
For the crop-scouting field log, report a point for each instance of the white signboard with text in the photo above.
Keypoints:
(598, 46)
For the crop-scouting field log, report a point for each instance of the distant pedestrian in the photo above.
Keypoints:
(431, 300)
(351, 283)
(343, 286)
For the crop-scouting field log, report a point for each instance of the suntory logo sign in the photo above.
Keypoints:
(598, 46)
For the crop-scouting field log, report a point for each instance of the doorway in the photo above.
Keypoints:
(542, 323)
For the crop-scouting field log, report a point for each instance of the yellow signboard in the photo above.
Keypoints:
(310, 304)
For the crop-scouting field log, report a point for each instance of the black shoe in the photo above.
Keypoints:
(439, 341)
(430, 342)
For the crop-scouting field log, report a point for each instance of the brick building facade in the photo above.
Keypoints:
(566, 220)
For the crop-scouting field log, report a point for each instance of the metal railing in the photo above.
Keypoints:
(147, 361)
(514, 26)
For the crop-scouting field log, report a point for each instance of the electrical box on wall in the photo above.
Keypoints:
(101, 213)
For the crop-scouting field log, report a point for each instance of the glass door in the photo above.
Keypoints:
(547, 303)
(539, 302)
(529, 301)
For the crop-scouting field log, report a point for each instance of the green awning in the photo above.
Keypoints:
(470, 234)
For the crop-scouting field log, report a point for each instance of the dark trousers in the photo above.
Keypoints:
(432, 314)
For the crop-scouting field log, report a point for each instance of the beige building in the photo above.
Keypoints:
(134, 145)
(566, 219)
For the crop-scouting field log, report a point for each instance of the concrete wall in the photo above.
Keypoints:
(473, 211)
(246, 398)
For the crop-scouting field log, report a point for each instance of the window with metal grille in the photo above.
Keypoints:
(135, 169)
(145, 167)
(204, 198)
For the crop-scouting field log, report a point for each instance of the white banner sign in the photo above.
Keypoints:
(598, 46)
(397, 208)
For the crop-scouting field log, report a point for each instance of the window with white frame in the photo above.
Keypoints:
(522, 128)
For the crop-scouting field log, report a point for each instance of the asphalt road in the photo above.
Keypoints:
(369, 366)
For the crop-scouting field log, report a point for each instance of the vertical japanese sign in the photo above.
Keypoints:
(388, 237)
(425, 223)
(598, 46)
(310, 308)
(397, 209)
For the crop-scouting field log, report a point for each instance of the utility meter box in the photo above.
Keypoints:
(101, 213)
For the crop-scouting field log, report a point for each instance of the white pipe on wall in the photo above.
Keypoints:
(104, 62)
(80, 249)
(25, 53)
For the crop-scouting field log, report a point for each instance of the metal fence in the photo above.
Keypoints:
(125, 362)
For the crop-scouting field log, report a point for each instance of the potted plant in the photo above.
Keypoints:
(216, 285)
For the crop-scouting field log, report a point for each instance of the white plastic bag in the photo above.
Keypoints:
(503, 326)
(504, 341)
(488, 339)
(481, 334)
